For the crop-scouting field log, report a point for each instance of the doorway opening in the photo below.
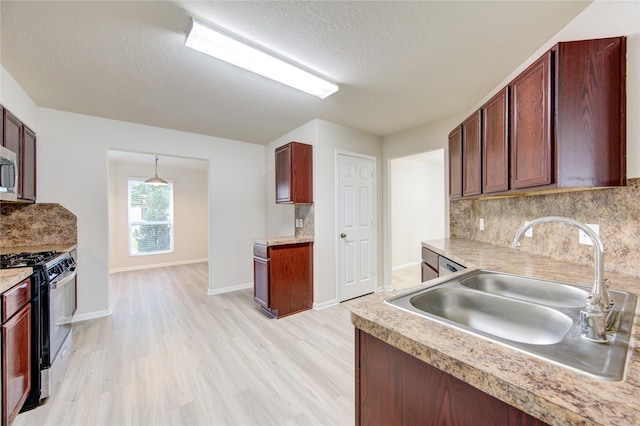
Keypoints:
(190, 221)
(417, 212)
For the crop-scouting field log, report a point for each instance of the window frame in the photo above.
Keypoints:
(131, 223)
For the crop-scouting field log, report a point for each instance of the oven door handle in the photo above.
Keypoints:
(64, 280)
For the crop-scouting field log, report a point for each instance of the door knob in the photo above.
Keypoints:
(343, 235)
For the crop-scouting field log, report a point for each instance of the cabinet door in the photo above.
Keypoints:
(471, 155)
(291, 278)
(428, 273)
(28, 162)
(12, 132)
(283, 174)
(590, 110)
(531, 115)
(261, 281)
(16, 363)
(455, 163)
(495, 143)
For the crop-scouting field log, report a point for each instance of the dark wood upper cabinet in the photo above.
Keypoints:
(294, 173)
(531, 115)
(591, 112)
(12, 132)
(564, 127)
(495, 143)
(22, 140)
(455, 163)
(472, 155)
(28, 165)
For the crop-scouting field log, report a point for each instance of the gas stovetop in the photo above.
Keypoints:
(22, 260)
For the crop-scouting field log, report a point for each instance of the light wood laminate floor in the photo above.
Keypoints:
(171, 355)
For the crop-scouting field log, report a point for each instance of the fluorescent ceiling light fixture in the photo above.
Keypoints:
(213, 42)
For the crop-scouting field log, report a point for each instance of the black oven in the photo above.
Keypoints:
(52, 306)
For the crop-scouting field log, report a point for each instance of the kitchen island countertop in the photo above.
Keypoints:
(552, 393)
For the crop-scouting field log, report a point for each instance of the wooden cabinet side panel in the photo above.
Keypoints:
(590, 105)
(397, 388)
(427, 273)
(261, 281)
(1, 125)
(16, 363)
(472, 155)
(29, 166)
(291, 278)
(495, 143)
(455, 163)
(531, 131)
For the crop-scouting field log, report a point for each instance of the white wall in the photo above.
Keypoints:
(73, 171)
(417, 206)
(326, 139)
(190, 216)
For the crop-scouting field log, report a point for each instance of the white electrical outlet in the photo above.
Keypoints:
(482, 224)
(529, 232)
(583, 238)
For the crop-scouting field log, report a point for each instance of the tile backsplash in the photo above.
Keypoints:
(304, 212)
(36, 225)
(616, 210)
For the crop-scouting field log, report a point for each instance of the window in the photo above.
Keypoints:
(150, 218)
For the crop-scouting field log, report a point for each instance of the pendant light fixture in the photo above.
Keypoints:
(155, 180)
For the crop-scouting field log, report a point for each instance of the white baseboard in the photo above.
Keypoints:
(325, 305)
(229, 289)
(91, 315)
(157, 265)
(406, 265)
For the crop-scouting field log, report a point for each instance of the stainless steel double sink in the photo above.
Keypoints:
(535, 316)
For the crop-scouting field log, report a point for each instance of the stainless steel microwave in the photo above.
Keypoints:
(8, 175)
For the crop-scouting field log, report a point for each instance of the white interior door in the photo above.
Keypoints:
(357, 274)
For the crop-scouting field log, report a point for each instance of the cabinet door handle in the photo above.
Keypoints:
(343, 235)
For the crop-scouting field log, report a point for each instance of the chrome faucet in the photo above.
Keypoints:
(599, 312)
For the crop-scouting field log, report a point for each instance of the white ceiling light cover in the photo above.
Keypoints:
(213, 42)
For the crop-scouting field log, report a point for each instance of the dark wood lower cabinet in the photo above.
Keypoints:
(16, 363)
(395, 388)
(283, 278)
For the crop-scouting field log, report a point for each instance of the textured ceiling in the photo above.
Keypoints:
(398, 64)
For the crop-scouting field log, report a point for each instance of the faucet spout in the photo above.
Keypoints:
(599, 307)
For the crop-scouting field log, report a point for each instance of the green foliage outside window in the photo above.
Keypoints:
(150, 218)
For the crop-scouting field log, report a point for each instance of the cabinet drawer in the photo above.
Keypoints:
(16, 298)
(430, 258)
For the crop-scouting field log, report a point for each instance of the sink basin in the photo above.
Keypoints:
(538, 317)
(509, 319)
(534, 290)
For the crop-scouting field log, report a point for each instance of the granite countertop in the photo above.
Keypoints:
(11, 277)
(552, 393)
(280, 241)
